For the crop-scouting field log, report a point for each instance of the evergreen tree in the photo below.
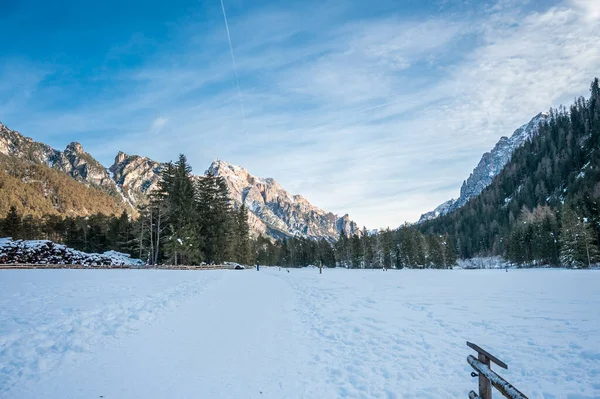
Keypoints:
(242, 239)
(12, 224)
(577, 240)
(31, 228)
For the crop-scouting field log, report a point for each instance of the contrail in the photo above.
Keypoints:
(237, 80)
(377, 106)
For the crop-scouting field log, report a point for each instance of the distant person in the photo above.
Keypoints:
(257, 267)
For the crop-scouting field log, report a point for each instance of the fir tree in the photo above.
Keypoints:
(577, 241)
(12, 224)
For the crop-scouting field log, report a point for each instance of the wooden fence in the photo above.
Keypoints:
(488, 378)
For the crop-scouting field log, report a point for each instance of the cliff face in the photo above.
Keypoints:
(135, 176)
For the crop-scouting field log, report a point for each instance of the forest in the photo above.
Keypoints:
(542, 209)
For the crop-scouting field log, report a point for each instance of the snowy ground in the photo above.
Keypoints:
(271, 334)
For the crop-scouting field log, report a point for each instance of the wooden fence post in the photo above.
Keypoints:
(488, 378)
(485, 388)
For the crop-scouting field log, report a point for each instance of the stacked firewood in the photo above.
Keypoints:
(50, 253)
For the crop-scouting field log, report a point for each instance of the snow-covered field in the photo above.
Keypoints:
(272, 334)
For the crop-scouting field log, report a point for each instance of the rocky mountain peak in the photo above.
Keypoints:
(276, 212)
(490, 165)
(135, 176)
(75, 147)
(121, 156)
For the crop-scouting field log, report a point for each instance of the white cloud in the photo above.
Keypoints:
(158, 124)
(589, 8)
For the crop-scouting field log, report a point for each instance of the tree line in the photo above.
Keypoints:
(191, 219)
(404, 247)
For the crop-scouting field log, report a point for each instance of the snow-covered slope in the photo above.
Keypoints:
(275, 211)
(489, 166)
(440, 210)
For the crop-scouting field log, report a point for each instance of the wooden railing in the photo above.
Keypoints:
(488, 378)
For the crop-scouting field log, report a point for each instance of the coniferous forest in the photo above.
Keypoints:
(543, 208)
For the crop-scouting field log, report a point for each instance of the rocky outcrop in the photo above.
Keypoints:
(490, 165)
(13, 144)
(275, 211)
(135, 176)
(83, 167)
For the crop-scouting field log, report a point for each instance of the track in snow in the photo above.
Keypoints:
(271, 334)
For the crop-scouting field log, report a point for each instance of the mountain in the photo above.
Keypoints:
(135, 176)
(544, 205)
(73, 161)
(489, 167)
(131, 178)
(40, 180)
(275, 211)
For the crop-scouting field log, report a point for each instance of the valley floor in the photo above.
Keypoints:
(272, 334)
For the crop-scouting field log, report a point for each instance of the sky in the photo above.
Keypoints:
(378, 109)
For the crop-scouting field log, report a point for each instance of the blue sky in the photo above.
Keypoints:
(379, 109)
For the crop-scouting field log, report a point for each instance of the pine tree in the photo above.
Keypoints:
(12, 224)
(577, 240)
(243, 248)
(30, 228)
(367, 249)
(435, 251)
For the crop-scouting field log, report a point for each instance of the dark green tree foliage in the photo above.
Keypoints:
(516, 216)
(216, 218)
(577, 239)
(533, 238)
(386, 248)
(243, 248)
(12, 224)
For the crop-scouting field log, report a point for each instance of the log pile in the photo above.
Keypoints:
(49, 253)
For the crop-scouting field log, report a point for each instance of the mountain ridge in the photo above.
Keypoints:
(273, 211)
(489, 166)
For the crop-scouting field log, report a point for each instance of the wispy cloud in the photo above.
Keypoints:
(158, 124)
(381, 117)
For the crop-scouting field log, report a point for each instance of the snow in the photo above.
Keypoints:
(119, 189)
(272, 334)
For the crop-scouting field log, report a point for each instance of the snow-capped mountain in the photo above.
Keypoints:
(275, 211)
(489, 166)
